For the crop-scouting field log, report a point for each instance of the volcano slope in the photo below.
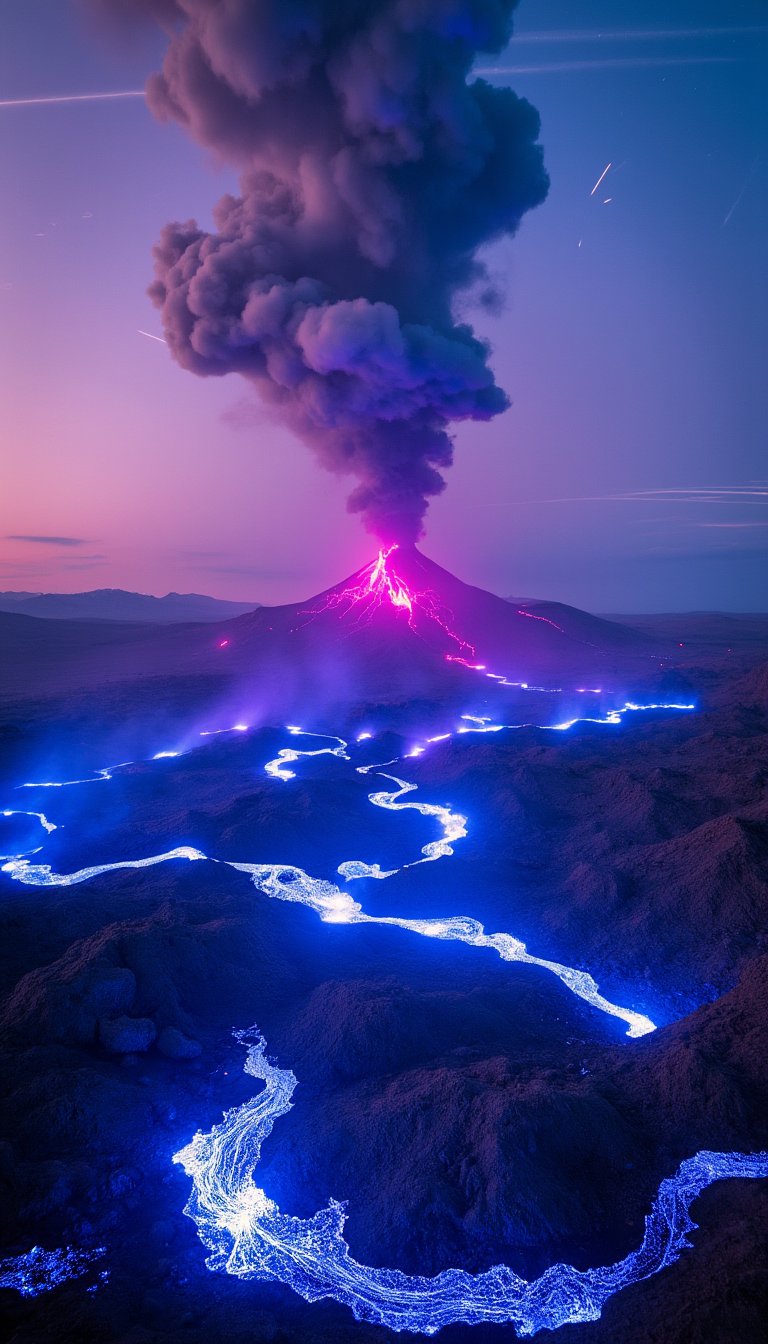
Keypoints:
(473, 1112)
(399, 628)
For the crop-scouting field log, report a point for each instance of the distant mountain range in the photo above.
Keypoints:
(115, 604)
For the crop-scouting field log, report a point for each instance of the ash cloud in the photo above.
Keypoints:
(372, 169)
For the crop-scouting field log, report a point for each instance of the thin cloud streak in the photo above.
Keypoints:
(726, 494)
(607, 63)
(637, 34)
(47, 541)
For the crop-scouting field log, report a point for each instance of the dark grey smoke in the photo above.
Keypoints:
(371, 174)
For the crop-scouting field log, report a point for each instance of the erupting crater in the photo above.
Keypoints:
(385, 583)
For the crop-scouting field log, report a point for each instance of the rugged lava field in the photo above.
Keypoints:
(471, 1111)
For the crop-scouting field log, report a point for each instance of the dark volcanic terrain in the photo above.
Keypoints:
(471, 1111)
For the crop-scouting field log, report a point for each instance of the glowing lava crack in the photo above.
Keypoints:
(379, 586)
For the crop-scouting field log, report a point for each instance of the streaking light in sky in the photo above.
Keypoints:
(71, 98)
(601, 178)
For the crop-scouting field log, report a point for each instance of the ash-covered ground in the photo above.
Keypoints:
(470, 1111)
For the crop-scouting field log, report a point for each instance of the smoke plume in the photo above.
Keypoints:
(372, 169)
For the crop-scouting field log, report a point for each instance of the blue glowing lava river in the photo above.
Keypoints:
(246, 1233)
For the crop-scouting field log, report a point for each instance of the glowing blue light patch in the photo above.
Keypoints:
(48, 827)
(287, 755)
(95, 778)
(248, 1236)
(479, 725)
(216, 732)
(39, 1271)
(42, 875)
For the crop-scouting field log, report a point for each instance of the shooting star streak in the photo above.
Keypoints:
(71, 98)
(161, 339)
(744, 186)
(606, 170)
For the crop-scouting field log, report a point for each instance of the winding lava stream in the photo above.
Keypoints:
(246, 1233)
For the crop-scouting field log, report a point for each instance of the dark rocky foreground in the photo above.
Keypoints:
(470, 1111)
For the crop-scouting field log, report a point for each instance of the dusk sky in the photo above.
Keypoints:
(629, 474)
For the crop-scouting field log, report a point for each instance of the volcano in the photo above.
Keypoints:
(401, 626)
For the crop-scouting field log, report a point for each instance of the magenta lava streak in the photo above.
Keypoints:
(379, 584)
